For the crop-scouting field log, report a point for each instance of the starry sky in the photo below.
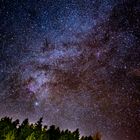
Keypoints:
(74, 62)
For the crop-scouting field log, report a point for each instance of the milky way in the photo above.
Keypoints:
(76, 63)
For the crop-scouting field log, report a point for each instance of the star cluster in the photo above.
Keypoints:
(76, 63)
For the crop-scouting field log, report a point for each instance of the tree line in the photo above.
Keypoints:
(13, 130)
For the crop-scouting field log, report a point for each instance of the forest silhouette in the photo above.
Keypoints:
(14, 130)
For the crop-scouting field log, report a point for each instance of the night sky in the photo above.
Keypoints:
(74, 62)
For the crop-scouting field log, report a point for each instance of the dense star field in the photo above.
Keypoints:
(74, 62)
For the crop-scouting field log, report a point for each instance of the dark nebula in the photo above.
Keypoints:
(76, 63)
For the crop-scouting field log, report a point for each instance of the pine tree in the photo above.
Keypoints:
(10, 136)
